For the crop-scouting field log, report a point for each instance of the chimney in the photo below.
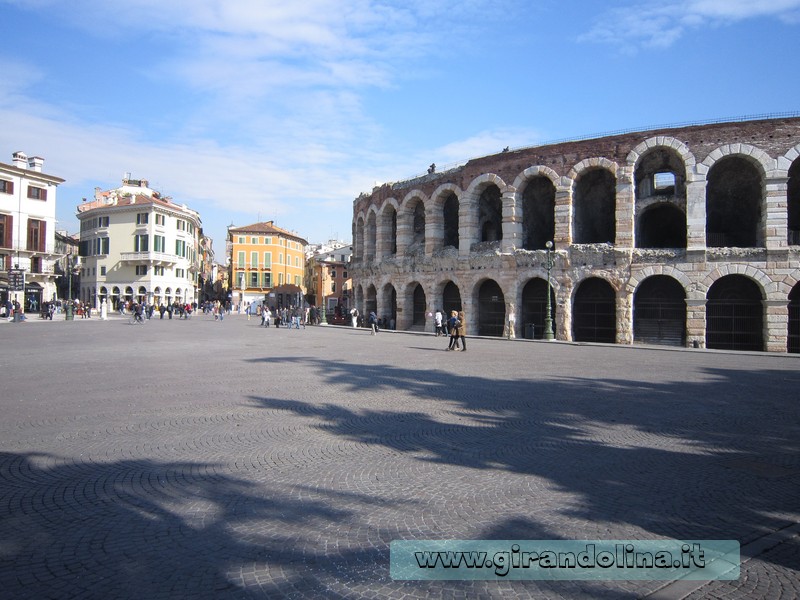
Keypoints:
(20, 160)
(35, 163)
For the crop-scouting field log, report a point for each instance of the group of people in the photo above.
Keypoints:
(292, 317)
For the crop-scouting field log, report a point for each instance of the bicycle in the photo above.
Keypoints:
(137, 319)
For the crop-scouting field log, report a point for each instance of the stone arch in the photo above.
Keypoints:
(489, 300)
(443, 216)
(370, 301)
(663, 141)
(793, 332)
(411, 223)
(371, 234)
(594, 202)
(469, 217)
(735, 314)
(770, 289)
(659, 311)
(387, 228)
(535, 200)
(735, 201)
(533, 308)
(637, 277)
(793, 196)
(416, 303)
(594, 316)
(661, 225)
(358, 236)
(388, 305)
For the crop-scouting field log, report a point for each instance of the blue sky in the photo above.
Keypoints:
(256, 109)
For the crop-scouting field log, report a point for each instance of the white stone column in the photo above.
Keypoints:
(776, 325)
(774, 213)
(624, 208)
(696, 211)
(511, 221)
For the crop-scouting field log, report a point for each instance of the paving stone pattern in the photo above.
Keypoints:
(198, 459)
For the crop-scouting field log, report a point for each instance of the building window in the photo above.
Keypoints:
(161, 219)
(240, 259)
(267, 259)
(180, 273)
(241, 239)
(254, 260)
(141, 269)
(344, 275)
(103, 221)
(141, 218)
(268, 241)
(37, 193)
(267, 280)
(102, 270)
(158, 271)
(297, 280)
(6, 187)
(280, 258)
(254, 240)
(180, 248)
(280, 278)
(141, 243)
(159, 243)
(253, 279)
(333, 287)
(5, 231)
(36, 235)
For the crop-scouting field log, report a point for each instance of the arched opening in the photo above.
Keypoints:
(793, 341)
(733, 204)
(660, 173)
(389, 306)
(370, 302)
(594, 312)
(450, 214)
(371, 235)
(491, 309)
(659, 312)
(417, 244)
(141, 294)
(358, 246)
(388, 231)
(793, 203)
(129, 294)
(661, 226)
(419, 306)
(538, 213)
(534, 309)
(734, 314)
(490, 214)
(451, 299)
(594, 204)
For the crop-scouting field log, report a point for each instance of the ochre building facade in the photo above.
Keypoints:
(685, 236)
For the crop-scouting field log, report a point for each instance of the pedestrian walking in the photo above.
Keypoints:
(437, 319)
(373, 323)
(461, 330)
(452, 327)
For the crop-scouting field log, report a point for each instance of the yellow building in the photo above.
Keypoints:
(267, 264)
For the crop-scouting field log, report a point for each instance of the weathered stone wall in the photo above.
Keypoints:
(772, 146)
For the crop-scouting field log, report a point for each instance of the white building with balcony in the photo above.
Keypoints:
(137, 245)
(27, 230)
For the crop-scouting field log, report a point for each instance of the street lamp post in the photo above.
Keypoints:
(548, 317)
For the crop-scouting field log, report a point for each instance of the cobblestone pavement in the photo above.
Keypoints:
(198, 459)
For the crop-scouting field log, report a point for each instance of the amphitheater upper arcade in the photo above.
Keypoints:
(691, 205)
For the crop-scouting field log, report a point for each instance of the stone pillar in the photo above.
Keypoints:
(405, 308)
(563, 324)
(695, 212)
(470, 314)
(563, 214)
(774, 214)
(468, 232)
(434, 228)
(512, 221)
(624, 208)
(776, 326)
(696, 322)
(624, 313)
(405, 228)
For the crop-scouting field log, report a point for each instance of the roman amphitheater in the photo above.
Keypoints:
(685, 236)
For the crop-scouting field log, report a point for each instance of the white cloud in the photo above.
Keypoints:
(661, 24)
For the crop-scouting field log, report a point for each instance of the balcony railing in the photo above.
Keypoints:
(149, 257)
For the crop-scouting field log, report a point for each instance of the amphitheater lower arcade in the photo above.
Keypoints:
(683, 236)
